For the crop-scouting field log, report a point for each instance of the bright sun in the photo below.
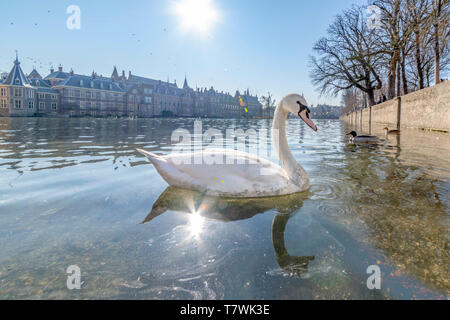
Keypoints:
(196, 15)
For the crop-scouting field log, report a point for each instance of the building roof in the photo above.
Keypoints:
(58, 75)
(99, 83)
(34, 75)
(16, 77)
(43, 86)
(137, 79)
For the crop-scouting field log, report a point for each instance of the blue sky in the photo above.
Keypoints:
(262, 45)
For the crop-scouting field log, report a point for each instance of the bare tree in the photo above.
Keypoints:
(394, 35)
(269, 104)
(409, 48)
(347, 57)
(439, 16)
(416, 17)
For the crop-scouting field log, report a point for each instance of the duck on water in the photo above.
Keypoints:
(387, 131)
(360, 139)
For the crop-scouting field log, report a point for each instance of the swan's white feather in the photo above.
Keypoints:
(238, 175)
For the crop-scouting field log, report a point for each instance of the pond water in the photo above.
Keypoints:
(75, 192)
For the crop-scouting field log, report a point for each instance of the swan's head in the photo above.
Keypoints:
(297, 104)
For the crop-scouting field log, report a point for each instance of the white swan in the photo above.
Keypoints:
(250, 176)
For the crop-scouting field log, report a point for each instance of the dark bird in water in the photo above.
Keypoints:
(354, 138)
(387, 131)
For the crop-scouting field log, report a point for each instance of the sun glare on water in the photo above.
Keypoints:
(196, 16)
(196, 224)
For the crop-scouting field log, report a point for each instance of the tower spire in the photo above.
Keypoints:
(17, 58)
(185, 85)
(115, 74)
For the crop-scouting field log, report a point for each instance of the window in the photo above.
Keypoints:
(41, 96)
(18, 104)
(54, 106)
(41, 105)
(30, 104)
(3, 104)
(17, 92)
(17, 81)
(31, 94)
(3, 92)
(54, 97)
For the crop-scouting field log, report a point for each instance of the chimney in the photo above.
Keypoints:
(52, 70)
(129, 75)
(60, 68)
(71, 72)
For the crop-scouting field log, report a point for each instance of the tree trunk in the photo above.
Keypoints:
(398, 81)
(403, 68)
(437, 58)
(371, 97)
(419, 62)
(392, 74)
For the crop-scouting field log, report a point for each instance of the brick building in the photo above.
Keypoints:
(68, 94)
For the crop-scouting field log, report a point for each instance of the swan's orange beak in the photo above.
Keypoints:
(305, 116)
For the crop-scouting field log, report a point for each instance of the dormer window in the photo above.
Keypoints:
(81, 83)
(101, 85)
(92, 84)
(17, 81)
(110, 87)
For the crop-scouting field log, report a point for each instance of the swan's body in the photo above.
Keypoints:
(238, 174)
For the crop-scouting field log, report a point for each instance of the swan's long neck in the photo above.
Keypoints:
(295, 171)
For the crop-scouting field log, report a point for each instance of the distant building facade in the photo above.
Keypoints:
(68, 94)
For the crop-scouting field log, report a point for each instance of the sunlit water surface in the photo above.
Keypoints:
(75, 192)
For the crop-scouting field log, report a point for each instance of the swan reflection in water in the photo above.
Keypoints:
(201, 207)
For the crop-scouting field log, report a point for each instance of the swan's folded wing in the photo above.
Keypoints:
(227, 173)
